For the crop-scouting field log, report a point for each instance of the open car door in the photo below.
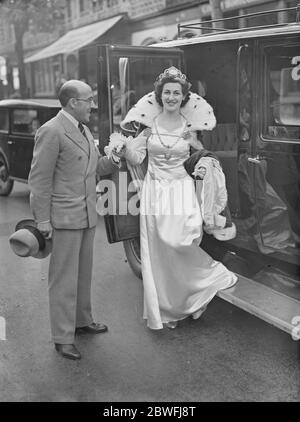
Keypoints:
(125, 74)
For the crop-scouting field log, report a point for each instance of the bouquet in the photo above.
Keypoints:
(117, 142)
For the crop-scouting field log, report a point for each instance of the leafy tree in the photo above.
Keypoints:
(30, 15)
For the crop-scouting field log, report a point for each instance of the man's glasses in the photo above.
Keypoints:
(86, 100)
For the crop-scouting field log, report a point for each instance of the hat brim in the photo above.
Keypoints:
(24, 223)
(29, 223)
(23, 243)
(44, 252)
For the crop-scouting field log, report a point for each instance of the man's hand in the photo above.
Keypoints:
(46, 229)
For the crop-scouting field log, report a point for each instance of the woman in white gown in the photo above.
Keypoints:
(179, 277)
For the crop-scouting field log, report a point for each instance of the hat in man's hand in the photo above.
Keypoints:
(27, 240)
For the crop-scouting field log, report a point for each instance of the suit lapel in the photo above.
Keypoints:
(74, 134)
(92, 149)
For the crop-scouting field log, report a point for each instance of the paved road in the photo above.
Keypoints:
(227, 355)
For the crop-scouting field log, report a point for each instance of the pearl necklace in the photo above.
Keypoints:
(168, 147)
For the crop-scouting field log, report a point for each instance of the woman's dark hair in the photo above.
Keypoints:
(159, 85)
(65, 93)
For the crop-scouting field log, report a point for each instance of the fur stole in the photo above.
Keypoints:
(198, 113)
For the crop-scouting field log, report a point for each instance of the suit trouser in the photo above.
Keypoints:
(70, 275)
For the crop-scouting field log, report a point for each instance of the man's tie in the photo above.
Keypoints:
(81, 128)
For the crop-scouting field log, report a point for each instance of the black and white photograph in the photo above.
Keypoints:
(149, 204)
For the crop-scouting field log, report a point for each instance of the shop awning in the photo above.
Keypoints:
(75, 39)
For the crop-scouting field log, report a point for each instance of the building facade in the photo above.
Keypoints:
(70, 52)
(31, 42)
(163, 25)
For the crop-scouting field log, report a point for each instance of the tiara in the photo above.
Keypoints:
(172, 72)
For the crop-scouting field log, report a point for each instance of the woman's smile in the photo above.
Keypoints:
(172, 95)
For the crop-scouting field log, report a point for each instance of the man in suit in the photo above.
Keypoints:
(62, 181)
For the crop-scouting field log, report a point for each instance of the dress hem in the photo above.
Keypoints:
(234, 281)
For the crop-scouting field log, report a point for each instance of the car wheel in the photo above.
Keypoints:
(6, 184)
(133, 254)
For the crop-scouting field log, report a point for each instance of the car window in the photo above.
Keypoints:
(47, 114)
(25, 121)
(282, 93)
(4, 122)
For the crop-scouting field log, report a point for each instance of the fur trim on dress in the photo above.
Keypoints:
(198, 113)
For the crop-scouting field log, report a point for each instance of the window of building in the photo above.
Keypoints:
(43, 78)
(291, 15)
(205, 25)
(231, 23)
(69, 10)
(282, 96)
(81, 5)
(112, 3)
(4, 123)
(24, 121)
(262, 20)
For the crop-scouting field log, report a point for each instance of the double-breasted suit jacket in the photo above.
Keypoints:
(62, 181)
(62, 177)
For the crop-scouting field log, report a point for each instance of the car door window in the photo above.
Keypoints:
(282, 93)
(25, 121)
(4, 122)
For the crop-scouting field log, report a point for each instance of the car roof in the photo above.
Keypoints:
(31, 102)
(243, 33)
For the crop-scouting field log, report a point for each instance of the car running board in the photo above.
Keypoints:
(267, 304)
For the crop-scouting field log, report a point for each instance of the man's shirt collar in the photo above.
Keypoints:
(71, 118)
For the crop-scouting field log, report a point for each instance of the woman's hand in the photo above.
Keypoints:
(119, 151)
(199, 172)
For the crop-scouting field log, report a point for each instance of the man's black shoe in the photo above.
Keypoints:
(68, 351)
(93, 328)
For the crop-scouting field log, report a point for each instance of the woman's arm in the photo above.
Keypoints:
(136, 149)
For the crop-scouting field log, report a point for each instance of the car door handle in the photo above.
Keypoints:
(10, 142)
(256, 159)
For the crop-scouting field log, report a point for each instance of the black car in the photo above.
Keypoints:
(19, 121)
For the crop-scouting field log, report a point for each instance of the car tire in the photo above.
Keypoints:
(6, 184)
(133, 254)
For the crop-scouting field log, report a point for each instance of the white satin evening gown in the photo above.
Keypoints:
(179, 277)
